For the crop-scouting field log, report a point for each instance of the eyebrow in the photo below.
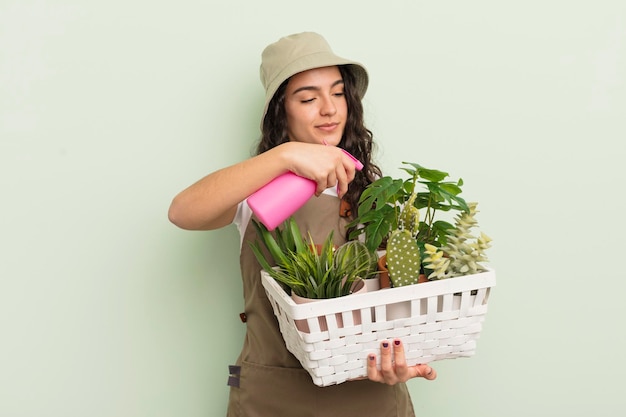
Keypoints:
(313, 88)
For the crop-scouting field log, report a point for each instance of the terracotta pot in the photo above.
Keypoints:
(383, 272)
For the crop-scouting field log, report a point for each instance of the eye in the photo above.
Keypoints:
(309, 100)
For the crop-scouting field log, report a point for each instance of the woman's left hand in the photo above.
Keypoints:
(393, 367)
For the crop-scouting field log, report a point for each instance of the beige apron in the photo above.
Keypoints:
(268, 381)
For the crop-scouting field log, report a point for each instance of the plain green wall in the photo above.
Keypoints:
(109, 108)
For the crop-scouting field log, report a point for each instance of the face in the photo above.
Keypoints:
(316, 106)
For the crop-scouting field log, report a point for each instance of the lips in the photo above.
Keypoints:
(328, 126)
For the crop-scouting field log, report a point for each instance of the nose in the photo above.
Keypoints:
(328, 107)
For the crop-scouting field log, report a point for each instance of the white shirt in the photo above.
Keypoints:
(244, 213)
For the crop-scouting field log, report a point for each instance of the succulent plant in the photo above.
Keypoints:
(465, 250)
(436, 262)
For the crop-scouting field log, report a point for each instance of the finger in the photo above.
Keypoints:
(350, 163)
(325, 181)
(345, 175)
(349, 167)
(342, 182)
(425, 371)
(331, 179)
(386, 363)
(372, 370)
(402, 370)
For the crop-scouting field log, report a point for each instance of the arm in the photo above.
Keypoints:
(211, 202)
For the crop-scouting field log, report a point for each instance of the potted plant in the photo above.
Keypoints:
(310, 270)
(389, 217)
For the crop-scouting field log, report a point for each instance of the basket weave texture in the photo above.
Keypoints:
(435, 320)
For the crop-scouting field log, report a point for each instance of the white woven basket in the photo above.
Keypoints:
(435, 320)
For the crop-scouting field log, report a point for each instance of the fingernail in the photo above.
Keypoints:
(396, 342)
(385, 344)
(430, 371)
(372, 357)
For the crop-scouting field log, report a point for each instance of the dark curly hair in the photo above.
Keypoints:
(356, 139)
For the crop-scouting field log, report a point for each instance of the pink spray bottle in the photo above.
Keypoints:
(284, 195)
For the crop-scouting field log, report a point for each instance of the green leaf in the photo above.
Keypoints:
(378, 226)
(295, 235)
(425, 173)
(448, 192)
(270, 243)
(378, 194)
(259, 255)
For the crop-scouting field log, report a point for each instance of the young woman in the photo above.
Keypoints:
(312, 110)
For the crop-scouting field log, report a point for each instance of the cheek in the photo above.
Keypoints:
(342, 107)
(291, 118)
(293, 112)
(294, 122)
(300, 118)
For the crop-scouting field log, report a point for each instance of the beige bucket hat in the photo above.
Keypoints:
(297, 53)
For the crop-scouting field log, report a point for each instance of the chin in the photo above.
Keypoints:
(331, 141)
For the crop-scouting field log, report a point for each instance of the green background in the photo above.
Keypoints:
(108, 109)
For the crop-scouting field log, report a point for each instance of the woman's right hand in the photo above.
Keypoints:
(326, 165)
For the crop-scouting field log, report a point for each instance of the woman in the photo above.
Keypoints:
(312, 109)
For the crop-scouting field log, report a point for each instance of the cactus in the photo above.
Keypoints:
(403, 258)
(464, 249)
(403, 254)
